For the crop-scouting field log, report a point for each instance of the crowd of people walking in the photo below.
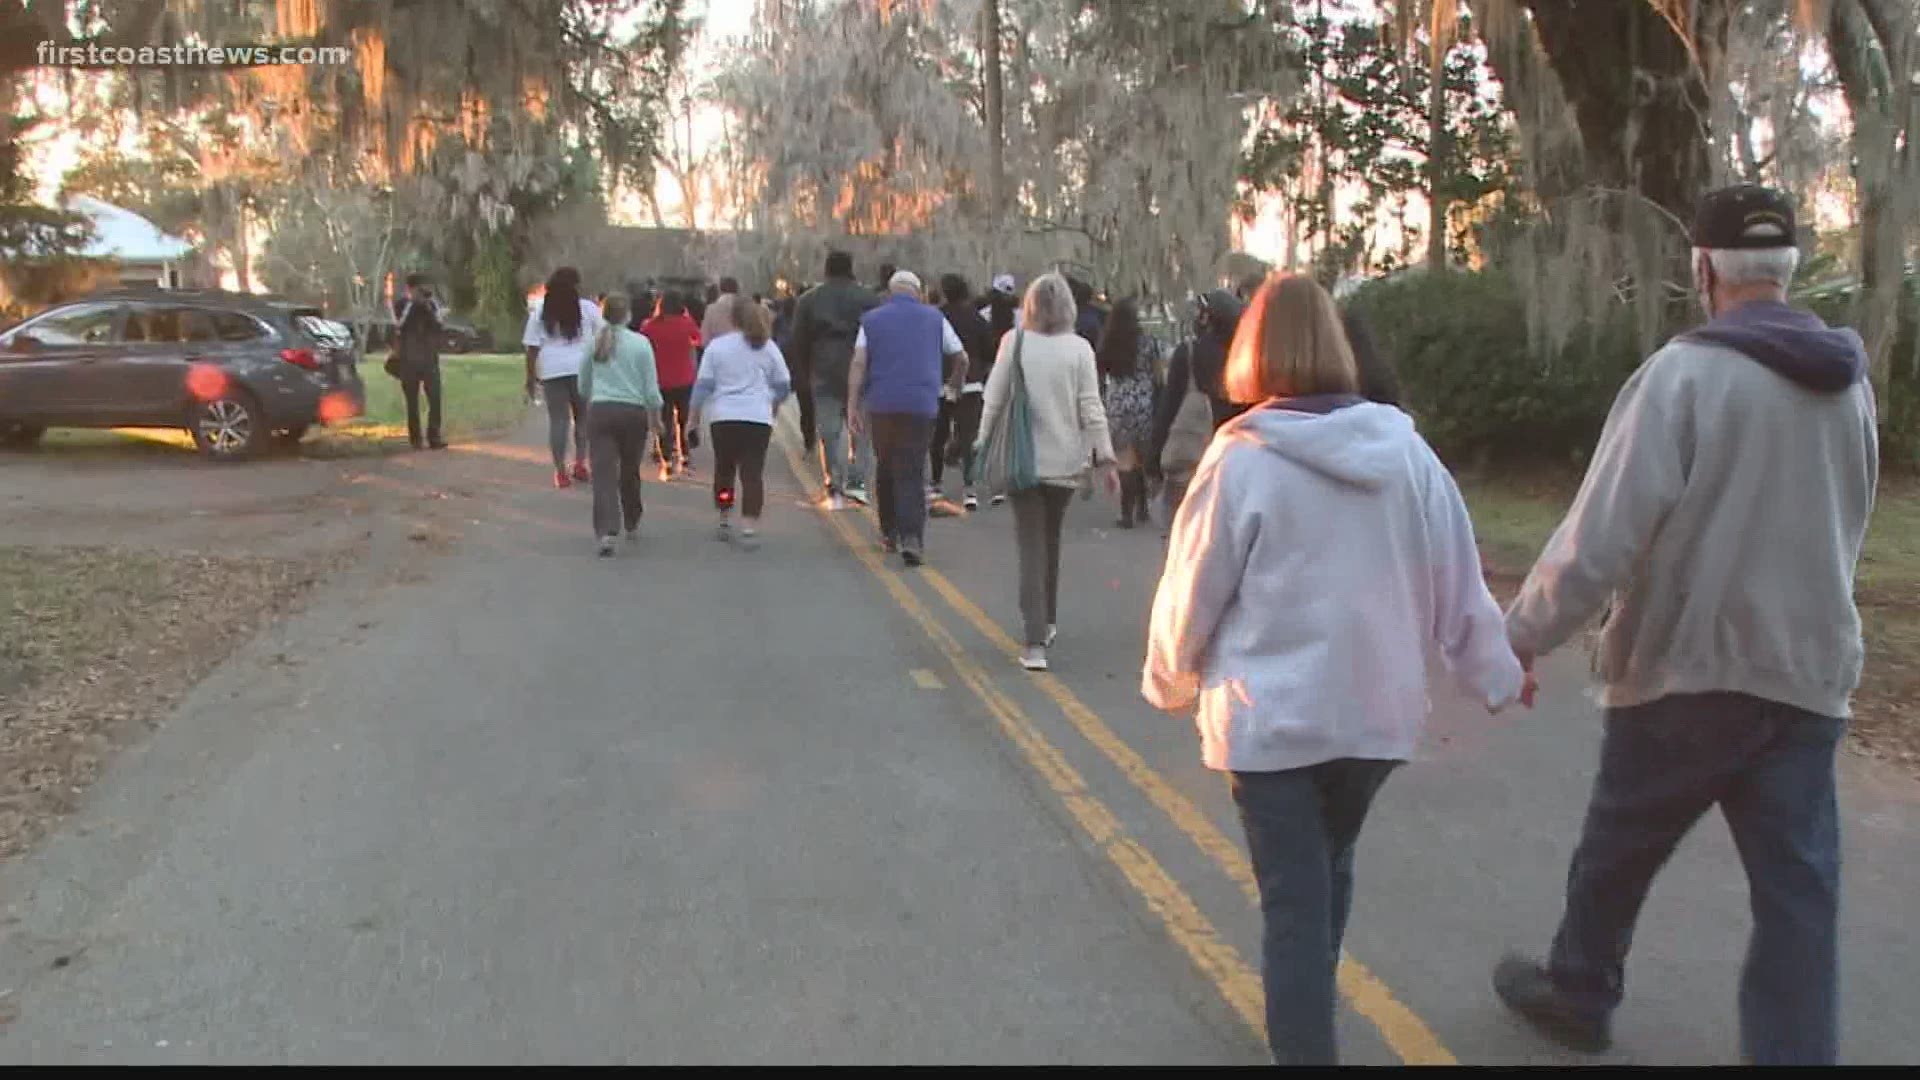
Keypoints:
(1320, 556)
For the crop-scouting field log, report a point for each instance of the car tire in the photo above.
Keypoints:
(231, 427)
(20, 436)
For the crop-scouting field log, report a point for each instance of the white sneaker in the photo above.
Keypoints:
(856, 495)
(1053, 632)
(606, 547)
(1034, 658)
(997, 500)
(970, 501)
(749, 537)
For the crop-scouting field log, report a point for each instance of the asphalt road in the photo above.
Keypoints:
(697, 804)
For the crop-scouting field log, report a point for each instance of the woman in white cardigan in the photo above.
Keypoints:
(1063, 401)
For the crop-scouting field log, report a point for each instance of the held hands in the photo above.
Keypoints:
(1529, 683)
(855, 423)
(1110, 478)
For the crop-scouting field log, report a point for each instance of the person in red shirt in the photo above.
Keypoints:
(675, 336)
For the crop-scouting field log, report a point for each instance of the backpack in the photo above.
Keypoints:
(1191, 430)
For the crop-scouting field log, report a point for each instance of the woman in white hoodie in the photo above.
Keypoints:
(1322, 556)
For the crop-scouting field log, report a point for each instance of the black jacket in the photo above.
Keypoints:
(976, 335)
(417, 338)
(826, 320)
(1200, 359)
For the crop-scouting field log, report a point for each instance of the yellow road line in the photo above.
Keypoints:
(1405, 1033)
(1219, 961)
(926, 680)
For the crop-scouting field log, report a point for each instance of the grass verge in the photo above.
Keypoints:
(1513, 516)
(483, 395)
(95, 645)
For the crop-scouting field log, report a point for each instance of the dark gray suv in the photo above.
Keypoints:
(234, 369)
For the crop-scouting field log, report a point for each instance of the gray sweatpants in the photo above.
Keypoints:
(565, 408)
(1038, 514)
(619, 434)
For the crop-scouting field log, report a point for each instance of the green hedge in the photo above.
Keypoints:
(1485, 394)
(1481, 390)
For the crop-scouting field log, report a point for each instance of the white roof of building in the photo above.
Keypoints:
(122, 234)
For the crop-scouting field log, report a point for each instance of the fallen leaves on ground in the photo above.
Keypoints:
(96, 644)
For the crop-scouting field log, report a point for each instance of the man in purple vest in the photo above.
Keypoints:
(894, 387)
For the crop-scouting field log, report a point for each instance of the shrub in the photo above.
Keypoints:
(1481, 389)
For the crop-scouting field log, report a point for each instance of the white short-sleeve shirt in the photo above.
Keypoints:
(561, 357)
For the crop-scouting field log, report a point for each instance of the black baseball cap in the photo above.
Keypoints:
(1727, 217)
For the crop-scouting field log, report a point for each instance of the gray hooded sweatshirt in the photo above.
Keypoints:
(1723, 513)
(1322, 573)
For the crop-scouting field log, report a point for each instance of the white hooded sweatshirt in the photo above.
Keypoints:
(1321, 564)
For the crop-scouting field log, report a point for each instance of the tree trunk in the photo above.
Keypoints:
(242, 272)
(1639, 97)
(1873, 93)
(1437, 151)
(996, 122)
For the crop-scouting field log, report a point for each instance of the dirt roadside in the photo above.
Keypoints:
(126, 578)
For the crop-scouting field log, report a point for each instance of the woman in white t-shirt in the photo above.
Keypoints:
(560, 331)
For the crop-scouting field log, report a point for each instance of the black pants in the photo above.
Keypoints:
(616, 433)
(741, 446)
(900, 484)
(1133, 495)
(954, 431)
(410, 385)
(676, 439)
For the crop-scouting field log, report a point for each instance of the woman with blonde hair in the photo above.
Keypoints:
(1322, 555)
(1063, 403)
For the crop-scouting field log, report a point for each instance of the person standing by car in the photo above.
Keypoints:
(557, 338)
(1322, 569)
(420, 322)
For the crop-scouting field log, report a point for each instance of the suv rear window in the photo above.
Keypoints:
(324, 330)
(233, 326)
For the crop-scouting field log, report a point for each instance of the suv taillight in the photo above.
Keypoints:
(302, 358)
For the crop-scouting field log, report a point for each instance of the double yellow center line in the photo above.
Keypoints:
(1236, 980)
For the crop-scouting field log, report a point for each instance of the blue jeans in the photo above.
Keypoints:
(847, 464)
(1301, 828)
(1769, 767)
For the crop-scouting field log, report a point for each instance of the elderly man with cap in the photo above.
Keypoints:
(894, 387)
(1723, 513)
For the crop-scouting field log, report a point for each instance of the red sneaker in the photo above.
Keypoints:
(561, 479)
(580, 472)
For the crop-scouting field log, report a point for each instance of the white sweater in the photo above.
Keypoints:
(1063, 400)
(1320, 567)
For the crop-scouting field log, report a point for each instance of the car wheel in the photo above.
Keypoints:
(230, 427)
(20, 436)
